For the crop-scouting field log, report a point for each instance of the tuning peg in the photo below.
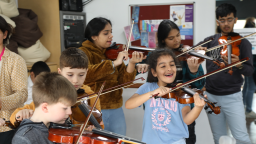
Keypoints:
(206, 107)
(209, 112)
(215, 102)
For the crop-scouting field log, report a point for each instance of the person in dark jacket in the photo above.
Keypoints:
(249, 85)
(225, 89)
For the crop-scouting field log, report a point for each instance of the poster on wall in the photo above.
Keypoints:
(182, 15)
(251, 39)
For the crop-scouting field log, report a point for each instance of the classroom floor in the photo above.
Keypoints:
(251, 123)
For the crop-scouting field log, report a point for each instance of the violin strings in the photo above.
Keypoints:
(105, 92)
(207, 75)
(194, 48)
(115, 86)
(87, 119)
(213, 48)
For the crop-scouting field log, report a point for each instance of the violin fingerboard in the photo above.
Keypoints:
(86, 112)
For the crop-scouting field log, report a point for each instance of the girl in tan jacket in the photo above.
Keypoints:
(99, 37)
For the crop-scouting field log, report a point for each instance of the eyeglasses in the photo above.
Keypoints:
(229, 20)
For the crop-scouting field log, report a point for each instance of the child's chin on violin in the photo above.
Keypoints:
(165, 117)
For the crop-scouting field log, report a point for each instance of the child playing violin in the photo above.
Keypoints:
(165, 120)
(169, 37)
(53, 96)
(73, 66)
(99, 37)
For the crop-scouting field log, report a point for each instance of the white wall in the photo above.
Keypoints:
(118, 12)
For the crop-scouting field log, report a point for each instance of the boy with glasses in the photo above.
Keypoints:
(225, 89)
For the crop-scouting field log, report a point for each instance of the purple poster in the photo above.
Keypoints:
(182, 15)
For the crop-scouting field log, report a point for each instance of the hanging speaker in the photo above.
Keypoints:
(64, 6)
(71, 5)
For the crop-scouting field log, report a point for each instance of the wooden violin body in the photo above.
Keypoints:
(70, 136)
(235, 45)
(113, 51)
(185, 96)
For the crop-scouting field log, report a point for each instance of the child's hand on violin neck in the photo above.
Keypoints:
(234, 58)
(123, 55)
(193, 64)
(161, 91)
(198, 101)
(201, 48)
(137, 57)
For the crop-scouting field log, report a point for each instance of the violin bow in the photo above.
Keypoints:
(129, 41)
(206, 75)
(88, 117)
(196, 46)
(110, 89)
(218, 46)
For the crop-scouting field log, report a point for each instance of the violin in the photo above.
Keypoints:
(232, 48)
(75, 135)
(184, 95)
(235, 45)
(185, 99)
(189, 52)
(113, 51)
(235, 39)
(70, 136)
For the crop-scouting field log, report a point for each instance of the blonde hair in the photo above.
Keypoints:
(53, 88)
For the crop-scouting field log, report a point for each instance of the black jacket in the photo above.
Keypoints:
(222, 83)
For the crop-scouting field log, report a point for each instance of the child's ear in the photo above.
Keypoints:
(5, 34)
(94, 38)
(59, 71)
(153, 72)
(44, 107)
(32, 76)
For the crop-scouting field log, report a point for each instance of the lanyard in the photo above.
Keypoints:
(2, 53)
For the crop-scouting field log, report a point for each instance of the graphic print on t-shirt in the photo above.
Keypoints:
(160, 116)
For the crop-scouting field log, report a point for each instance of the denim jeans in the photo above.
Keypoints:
(6, 137)
(114, 120)
(232, 114)
(248, 91)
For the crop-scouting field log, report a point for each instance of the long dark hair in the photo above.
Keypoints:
(4, 26)
(163, 31)
(153, 58)
(95, 26)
